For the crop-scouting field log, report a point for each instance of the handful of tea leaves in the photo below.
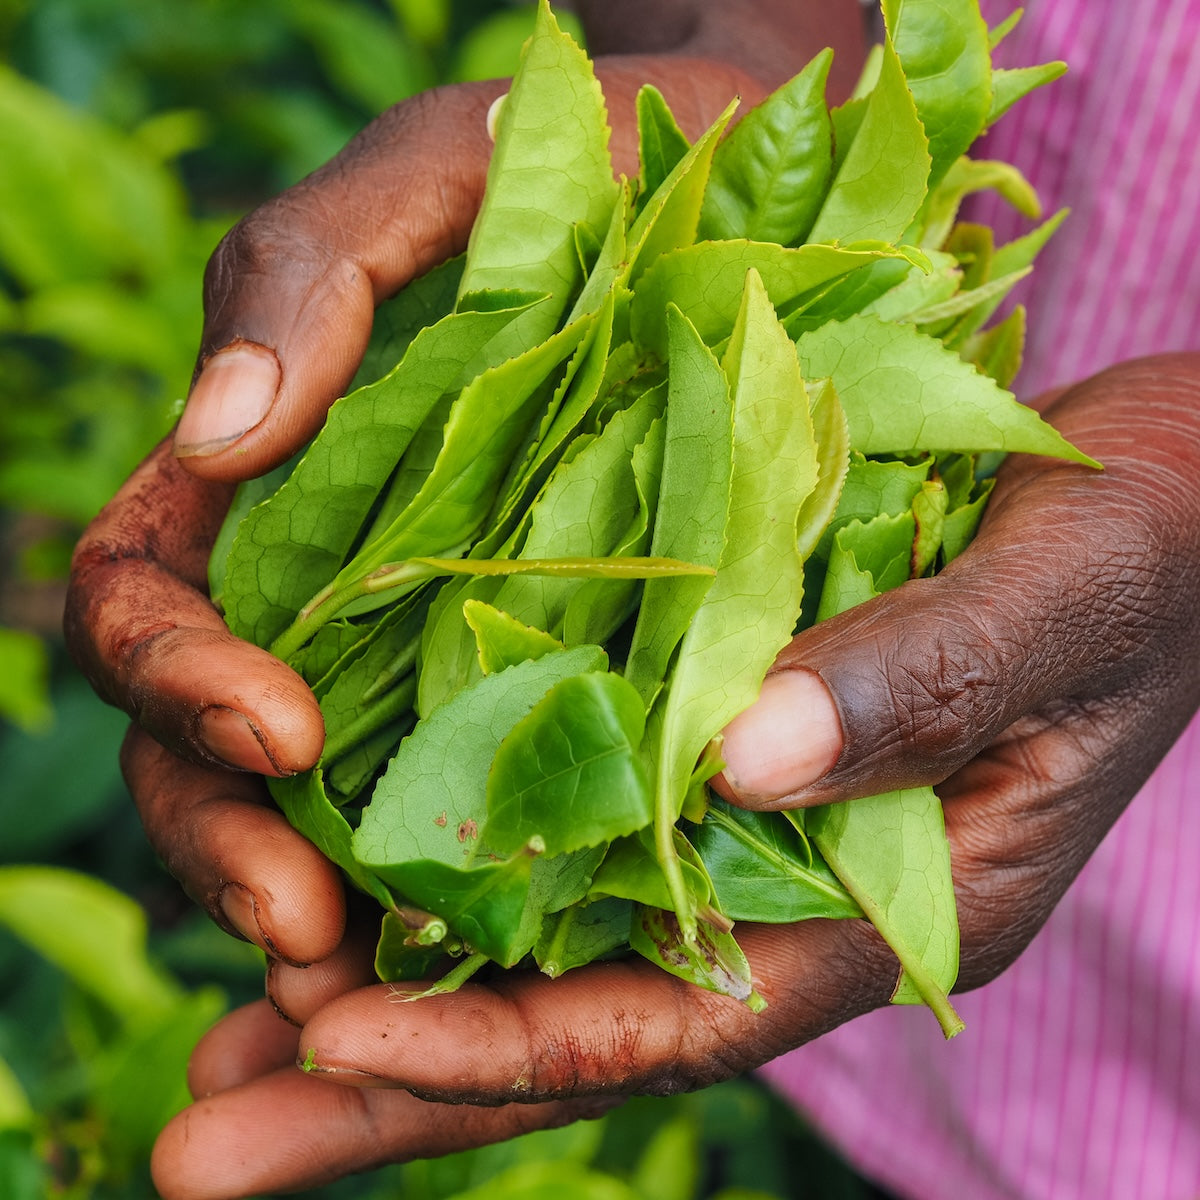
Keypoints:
(637, 436)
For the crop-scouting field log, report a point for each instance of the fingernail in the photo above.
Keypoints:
(231, 739)
(272, 967)
(788, 739)
(353, 1076)
(240, 909)
(235, 390)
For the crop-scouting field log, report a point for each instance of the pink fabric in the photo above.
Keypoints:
(1078, 1077)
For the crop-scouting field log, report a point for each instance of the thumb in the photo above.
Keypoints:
(1040, 616)
(291, 291)
(897, 693)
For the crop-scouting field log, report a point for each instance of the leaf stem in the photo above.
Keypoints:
(552, 959)
(668, 861)
(323, 607)
(393, 704)
(450, 982)
(335, 596)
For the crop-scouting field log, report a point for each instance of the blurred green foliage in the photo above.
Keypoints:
(132, 134)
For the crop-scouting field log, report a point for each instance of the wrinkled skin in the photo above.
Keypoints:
(1037, 681)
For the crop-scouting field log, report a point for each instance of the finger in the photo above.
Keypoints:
(291, 290)
(297, 993)
(235, 854)
(287, 1130)
(140, 625)
(1071, 590)
(249, 1042)
(612, 1028)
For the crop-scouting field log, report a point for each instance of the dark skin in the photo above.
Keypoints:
(1037, 682)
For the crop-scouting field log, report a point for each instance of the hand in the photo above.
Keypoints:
(526, 1053)
(1038, 681)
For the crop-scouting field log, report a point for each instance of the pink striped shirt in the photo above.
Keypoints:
(1079, 1075)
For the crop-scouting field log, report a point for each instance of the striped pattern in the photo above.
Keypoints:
(1079, 1075)
(1115, 139)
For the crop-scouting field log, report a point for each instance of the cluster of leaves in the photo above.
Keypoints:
(638, 435)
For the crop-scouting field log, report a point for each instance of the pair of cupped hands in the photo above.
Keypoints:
(1037, 682)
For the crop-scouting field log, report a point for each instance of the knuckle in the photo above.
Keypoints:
(947, 689)
(284, 240)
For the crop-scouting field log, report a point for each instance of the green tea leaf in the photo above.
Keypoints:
(402, 954)
(997, 351)
(769, 176)
(556, 437)
(1011, 259)
(250, 492)
(661, 144)
(1009, 86)
(550, 172)
(706, 282)
(421, 830)
(361, 694)
(581, 934)
(918, 291)
(631, 871)
(503, 640)
(432, 801)
(712, 959)
(570, 773)
(847, 295)
(903, 391)
(748, 614)
(946, 57)
(890, 852)
(670, 217)
(598, 609)
(866, 558)
(484, 905)
(983, 298)
(969, 175)
(962, 522)
(880, 184)
(832, 438)
(424, 301)
(929, 510)
(761, 870)
(693, 502)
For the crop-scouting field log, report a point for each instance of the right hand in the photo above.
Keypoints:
(1038, 680)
